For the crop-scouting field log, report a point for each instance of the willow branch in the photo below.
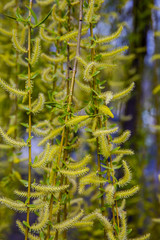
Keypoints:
(30, 126)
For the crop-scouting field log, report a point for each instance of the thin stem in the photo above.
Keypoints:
(66, 118)
(30, 126)
(95, 86)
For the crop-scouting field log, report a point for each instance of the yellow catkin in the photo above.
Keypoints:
(111, 37)
(123, 138)
(110, 190)
(41, 225)
(124, 152)
(127, 193)
(49, 189)
(75, 120)
(5, 32)
(9, 89)
(105, 110)
(40, 104)
(16, 43)
(56, 17)
(71, 35)
(10, 4)
(144, 237)
(53, 134)
(124, 92)
(36, 52)
(127, 175)
(81, 163)
(83, 87)
(123, 231)
(68, 223)
(76, 173)
(44, 36)
(105, 132)
(44, 2)
(23, 229)
(44, 159)
(45, 75)
(114, 52)
(11, 141)
(90, 12)
(87, 76)
(51, 59)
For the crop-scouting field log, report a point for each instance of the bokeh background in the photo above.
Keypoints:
(139, 113)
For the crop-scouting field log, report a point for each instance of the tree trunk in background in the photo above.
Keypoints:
(138, 45)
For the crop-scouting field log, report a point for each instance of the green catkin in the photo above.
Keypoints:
(124, 152)
(105, 110)
(71, 35)
(123, 93)
(9, 5)
(127, 193)
(40, 132)
(105, 222)
(110, 38)
(118, 158)
(114, 52)
(17, 206)
(127, 175)
(44, 36)
(123, 231)
(11, 141)
(53, 134)
(83, 87)
(80, 164)
(44, 159)
(5, 32)
(41, 225)
(88, 70)
(75, 120)
(44, 2)
(104, 146)
(82, 61)
(40, 104)
(145, 237)
(49, 189)
(89, 14)
(45, 75)
(58, 59)
(109, 96)
(16, 43)
(22, 229)
(32, 194)
(56, 17)
(76, 173)
(110, 191)
(68, 223)
(36, 52)
(111, 235)
(123, 138)
(105, 132)
(8, 88)
(23, 36)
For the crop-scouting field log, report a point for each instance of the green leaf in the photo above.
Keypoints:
(44, 19)
(117, 229)
(34, 75)
(31, 205)
(26, 224)
(24, 182)
(129, 231)
(33, 14)
(29, 139)
(25, 125)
